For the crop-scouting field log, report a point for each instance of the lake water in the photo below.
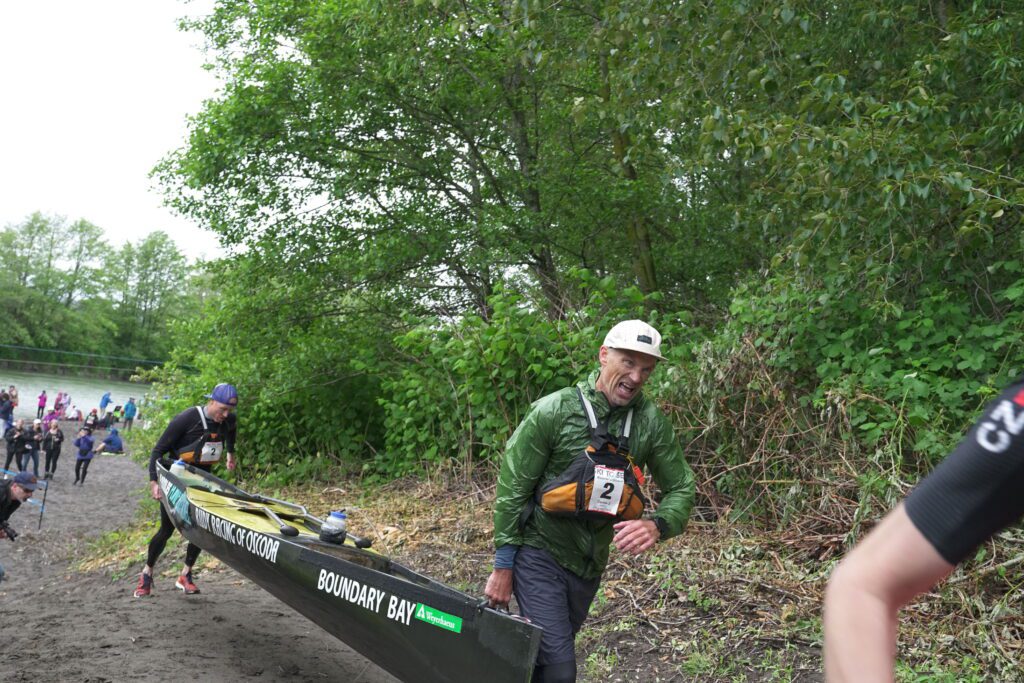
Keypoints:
(85, 391)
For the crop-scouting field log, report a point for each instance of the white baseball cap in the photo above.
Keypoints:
(635, 335)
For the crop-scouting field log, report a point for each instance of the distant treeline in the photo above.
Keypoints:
(71, 302)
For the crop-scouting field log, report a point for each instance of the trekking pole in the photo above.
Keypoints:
(42, 507)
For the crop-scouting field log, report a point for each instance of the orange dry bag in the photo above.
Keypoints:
(601, 483)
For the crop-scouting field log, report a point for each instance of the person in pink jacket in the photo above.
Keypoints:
(41, 406)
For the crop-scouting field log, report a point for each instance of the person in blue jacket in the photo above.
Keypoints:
(130, 409)
(6, 410)
(111, 444)
(84, 444)
(104, 402)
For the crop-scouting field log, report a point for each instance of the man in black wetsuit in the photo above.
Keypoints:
(974, 493)
(199, 436)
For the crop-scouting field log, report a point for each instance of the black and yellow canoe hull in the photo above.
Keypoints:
(410, 625)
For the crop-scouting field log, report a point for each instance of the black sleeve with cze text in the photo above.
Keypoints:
(979, 489)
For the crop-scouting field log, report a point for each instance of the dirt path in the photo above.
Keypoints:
(56, 625)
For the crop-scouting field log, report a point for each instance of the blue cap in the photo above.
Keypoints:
(26, 480)
(224, 393)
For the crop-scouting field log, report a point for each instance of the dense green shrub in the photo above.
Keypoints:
(308, 383)
(817, 398)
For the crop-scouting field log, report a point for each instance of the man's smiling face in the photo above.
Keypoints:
(623, 374)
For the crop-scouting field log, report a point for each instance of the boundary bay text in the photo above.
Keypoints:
(399, 609)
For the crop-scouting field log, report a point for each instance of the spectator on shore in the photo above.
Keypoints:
(84, 444)
(34, 444)
(130, 409)
(91, 420)
(73, 414)
(6, 410)
(104, 402)
(41, 405)
(13, 393)
(53, 441)
(15, 438)
(112, 443)
(111, 418)
(58, 402)
(51, 416)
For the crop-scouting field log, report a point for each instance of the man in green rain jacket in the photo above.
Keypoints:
(554, 564)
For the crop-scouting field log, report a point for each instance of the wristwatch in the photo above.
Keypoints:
(662, 527)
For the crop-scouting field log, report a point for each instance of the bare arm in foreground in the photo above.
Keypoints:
(894, 563)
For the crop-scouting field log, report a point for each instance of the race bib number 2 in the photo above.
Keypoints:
(210, 452)
(607, 491)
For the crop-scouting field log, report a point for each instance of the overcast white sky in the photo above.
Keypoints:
(92, 94)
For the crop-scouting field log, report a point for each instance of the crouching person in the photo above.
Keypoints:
(14, 492)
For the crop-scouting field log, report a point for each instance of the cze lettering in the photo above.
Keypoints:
(1003, 422)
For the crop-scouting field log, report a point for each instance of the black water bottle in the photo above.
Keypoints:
(334, 527)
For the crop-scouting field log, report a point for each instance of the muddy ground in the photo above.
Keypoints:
(58, 624)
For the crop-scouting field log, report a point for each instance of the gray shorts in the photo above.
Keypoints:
(553, 598)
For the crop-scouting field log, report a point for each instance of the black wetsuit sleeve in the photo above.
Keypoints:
(171, 436)
(230, 433)
(979, 489)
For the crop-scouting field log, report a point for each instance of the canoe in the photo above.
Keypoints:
(410, 625)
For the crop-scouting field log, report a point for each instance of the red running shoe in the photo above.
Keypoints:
(184, 582)
(145, 585)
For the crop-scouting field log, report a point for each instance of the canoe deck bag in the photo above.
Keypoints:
(601, 483)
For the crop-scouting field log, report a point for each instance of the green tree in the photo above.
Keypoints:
(146, 283)
(432, 150)
(67, 290)
(86, 248)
